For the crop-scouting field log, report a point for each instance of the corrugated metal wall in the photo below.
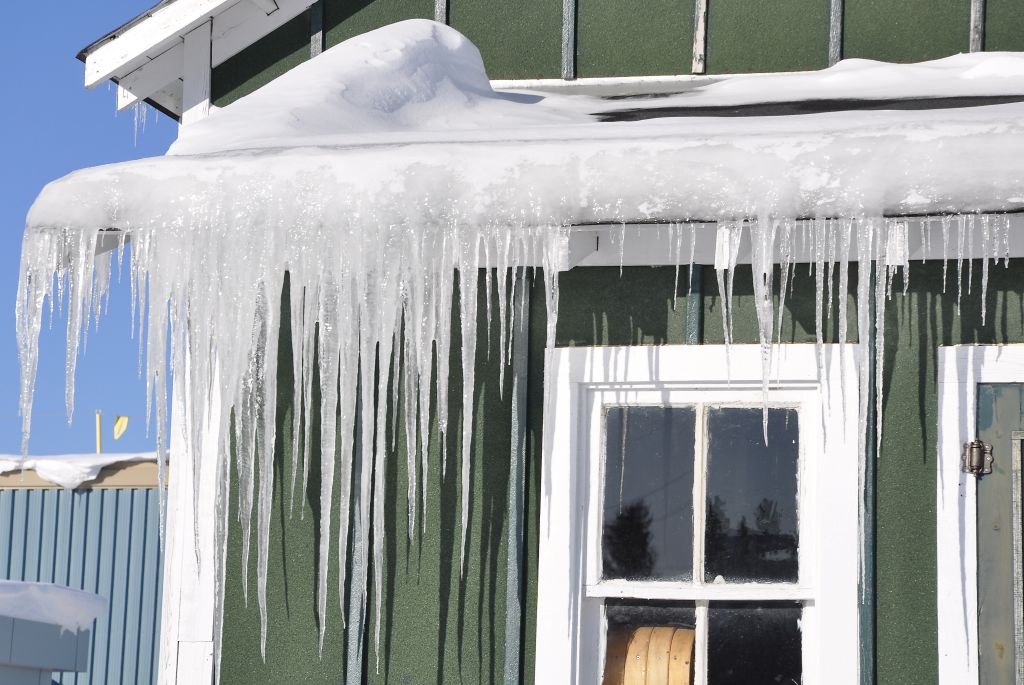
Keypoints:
(104, 540)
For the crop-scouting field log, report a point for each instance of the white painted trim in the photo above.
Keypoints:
(654, 244)
(581, 381)
(187, 609)
(168, 23)
(961, 369)
(195, 101)
(151, 76)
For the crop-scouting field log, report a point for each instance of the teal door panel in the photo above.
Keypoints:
(1000, 424)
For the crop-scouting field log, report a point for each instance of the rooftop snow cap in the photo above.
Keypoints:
(416, 75)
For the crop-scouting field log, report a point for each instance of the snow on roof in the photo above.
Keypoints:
(408, 109)
(58, 605)
(70, 470)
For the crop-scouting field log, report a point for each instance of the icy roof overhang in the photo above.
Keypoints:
(402, 123)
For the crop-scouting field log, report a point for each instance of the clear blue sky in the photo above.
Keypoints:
(51, 125)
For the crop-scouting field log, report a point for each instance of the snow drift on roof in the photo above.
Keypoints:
(58, 605)
(70, 470)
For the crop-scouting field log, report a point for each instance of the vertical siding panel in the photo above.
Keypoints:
(7, 510)
(105, 541)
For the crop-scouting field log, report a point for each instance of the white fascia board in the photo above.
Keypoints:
(268, 6)
(151, 76)
(166, 25)
(241, 25)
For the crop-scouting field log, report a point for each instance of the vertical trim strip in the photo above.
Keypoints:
(835, 31)
(568, 39)
(517, 478)
(316, 28)
(195, 100)
(1018, 557)
(700, 36)
(441, 11)
(977, 43)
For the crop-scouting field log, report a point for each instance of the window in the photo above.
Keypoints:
(673, 537)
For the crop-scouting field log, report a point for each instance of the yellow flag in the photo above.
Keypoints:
(120, 425)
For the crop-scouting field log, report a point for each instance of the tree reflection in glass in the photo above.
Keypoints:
(751, 526)
(648, 493)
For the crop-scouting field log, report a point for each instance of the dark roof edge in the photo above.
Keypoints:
(91, 47)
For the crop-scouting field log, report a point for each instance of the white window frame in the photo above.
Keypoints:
(961, 369)
(582, 381)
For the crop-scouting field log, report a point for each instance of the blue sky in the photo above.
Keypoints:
(51, 125)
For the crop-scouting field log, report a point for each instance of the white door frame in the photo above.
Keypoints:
(961, 369)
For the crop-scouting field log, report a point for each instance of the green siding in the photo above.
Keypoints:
(344, 19)
(1004, 25)
(422, 588)
(516, 39)
(905, 30)
(261, 62)
(632, 39)
(783, 35)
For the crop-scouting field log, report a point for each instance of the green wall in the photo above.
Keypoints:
(435, 626)
(905, 30)
(523, 40)
(633, 39)
(782, 35)
(1004, 25)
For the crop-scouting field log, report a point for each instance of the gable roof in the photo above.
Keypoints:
(146, 56)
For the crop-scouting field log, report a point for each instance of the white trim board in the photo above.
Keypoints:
(580, 381)
(961, 369)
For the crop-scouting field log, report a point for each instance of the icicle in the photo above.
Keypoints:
(762, 250)
(945, 250)
(693, 249)
(844, 285)
(675, 235)
(960, 235)
(819, 295)
(970, 252)
(986, 252)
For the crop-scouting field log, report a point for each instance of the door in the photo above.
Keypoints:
(999, 520)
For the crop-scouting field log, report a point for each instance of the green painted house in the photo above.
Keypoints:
(705, 459)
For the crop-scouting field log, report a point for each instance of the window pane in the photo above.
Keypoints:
(751, 644)
(648, 493)
(649, 636)
(751, 531)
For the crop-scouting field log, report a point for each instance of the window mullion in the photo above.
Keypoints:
(699, 494)
(700, 646)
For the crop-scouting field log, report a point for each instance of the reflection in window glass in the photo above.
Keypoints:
(652, 637)
(648, 493)
(751, 532)
(754, 644)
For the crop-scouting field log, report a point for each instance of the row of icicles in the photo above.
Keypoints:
(365, 303)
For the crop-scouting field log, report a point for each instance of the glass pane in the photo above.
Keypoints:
(648, 493)
(754, 643)
(751, 532)
(650, 637)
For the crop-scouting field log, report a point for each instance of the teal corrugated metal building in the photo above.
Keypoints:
(103, 540)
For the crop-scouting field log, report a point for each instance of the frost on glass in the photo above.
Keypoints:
(648, 493)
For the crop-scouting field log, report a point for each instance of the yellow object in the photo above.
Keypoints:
(99, 432)
(651, 655)
(120, 426)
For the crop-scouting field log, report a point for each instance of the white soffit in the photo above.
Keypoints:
(147, 59)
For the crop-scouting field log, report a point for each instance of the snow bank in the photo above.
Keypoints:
(69, 470)
(66, 607)
(378, 174)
